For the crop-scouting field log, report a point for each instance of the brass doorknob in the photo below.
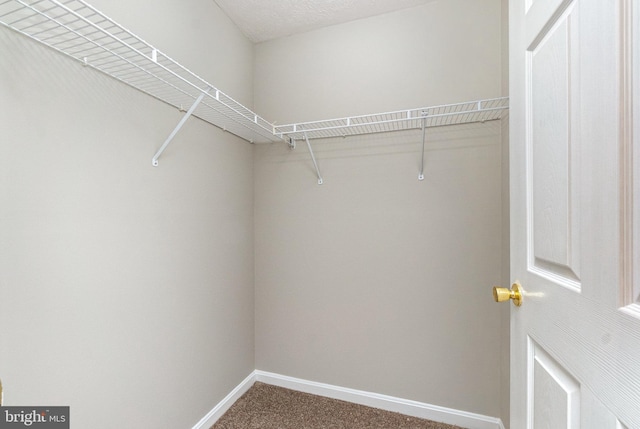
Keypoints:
(501, 294)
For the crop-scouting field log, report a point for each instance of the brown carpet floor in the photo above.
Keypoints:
(270, 407)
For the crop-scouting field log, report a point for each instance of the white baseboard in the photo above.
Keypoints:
(207, 421)
(383, 402)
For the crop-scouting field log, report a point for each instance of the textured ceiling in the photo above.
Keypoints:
(262, 20)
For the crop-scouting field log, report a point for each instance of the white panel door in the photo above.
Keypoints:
(575, 210)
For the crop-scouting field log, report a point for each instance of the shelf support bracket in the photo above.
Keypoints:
(424, 135)
(313, 158)
(186, 116)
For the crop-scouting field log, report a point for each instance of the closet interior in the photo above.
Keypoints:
(228, 259)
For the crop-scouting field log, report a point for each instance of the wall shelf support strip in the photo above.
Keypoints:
(186, 116)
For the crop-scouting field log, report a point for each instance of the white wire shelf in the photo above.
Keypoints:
(78, 30)
(435, 116)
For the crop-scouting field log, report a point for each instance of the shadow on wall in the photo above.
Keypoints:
(456, 137)
(458, 140)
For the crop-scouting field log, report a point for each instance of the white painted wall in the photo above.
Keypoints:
(131, 286)
(376, 281)
(126, 291)
(444, 52)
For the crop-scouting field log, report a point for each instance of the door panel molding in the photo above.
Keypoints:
(553, 220)
(554, 397)
(629, 154)
(541, 16)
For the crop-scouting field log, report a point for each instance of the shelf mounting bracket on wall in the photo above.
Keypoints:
(424, 137)
(313, 158)
(186, 116)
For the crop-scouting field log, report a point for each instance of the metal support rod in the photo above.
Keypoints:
(424, 134)
(313, 158)
(154, 161)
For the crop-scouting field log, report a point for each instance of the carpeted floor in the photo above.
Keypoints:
(270, 407)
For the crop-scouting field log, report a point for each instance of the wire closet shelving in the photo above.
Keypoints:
(78, 30)
(434, 116)
(81, 32)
